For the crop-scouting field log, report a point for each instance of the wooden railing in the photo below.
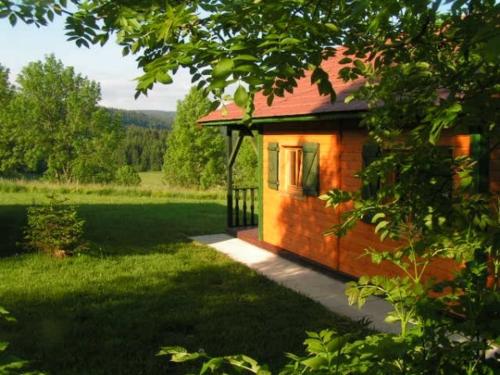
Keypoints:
(242, 207)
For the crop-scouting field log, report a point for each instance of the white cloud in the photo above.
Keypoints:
(119, 93)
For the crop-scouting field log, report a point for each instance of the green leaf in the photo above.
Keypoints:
(336, 344)
(315, 363)
(381, 225)
(270, 100)
(360, 65)
(392, 318)
(332, 27)
(169, 350)
(238, 47)
(241, 97)
(377, 216)
(3, 345)
(13, 19)
(164, 77)
(223, 68)
(349, 98)
(314, 345)
(290, 41)
(212, 365)
(345, 60)
(218, 84)
(246, 68)
(246, 58)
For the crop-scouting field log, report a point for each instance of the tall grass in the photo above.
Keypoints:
(45, 187)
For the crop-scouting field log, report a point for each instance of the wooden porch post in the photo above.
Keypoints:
(229, 133)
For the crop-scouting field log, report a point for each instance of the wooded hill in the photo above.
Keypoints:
(145, 118)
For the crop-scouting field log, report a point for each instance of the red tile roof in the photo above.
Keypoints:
(305, 99)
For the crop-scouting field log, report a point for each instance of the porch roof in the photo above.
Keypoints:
(305, 102)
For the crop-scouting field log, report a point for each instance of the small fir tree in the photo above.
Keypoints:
(54, 228)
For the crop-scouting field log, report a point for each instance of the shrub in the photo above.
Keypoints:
(90, 170)
(126, 175)
(54, 228)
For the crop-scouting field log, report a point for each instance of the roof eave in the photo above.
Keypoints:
(288, 119)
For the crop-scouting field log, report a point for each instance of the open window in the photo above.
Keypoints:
(294, 169)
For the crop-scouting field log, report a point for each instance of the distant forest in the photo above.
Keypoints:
(145, 137)
(145, 118)
(144, 147)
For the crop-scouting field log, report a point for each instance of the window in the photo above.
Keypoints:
(297, 167)
(371, 152)
(293, 169)
(436, 177)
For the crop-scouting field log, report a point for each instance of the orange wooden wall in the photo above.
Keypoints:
(353, 245)
(297, 223)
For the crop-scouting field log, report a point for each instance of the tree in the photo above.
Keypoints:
(6, 95)
(6, 89)
(144, 147)
(54, 126)
(195, 156)
(246, 166)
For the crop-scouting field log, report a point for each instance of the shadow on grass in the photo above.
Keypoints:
(143, 286)
(123, 229)
(118, 327)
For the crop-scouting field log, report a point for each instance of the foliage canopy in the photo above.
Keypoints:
(194, 157)
(52, 125)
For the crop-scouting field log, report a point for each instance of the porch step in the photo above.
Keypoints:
(317, 286)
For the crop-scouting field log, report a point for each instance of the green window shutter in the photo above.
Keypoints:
(479, 152)
(371, 152)
(310, 169)
(273, 165)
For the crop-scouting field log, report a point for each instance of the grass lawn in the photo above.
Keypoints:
(152, 180)
(143, 285)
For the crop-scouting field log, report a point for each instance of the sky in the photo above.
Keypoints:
(22, 44)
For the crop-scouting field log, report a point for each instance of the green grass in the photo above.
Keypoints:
(142, 285)
(151, 187)
(152, 180)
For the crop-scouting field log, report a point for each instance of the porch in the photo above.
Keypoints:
(244, 210)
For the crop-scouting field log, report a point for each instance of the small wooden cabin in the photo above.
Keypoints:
(307, 146)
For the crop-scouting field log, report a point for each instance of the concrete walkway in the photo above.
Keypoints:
(315, 285)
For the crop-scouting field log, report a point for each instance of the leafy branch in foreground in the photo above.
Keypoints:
(267, 45)
(9, 364)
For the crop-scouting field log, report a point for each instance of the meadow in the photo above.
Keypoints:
(141, 285)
